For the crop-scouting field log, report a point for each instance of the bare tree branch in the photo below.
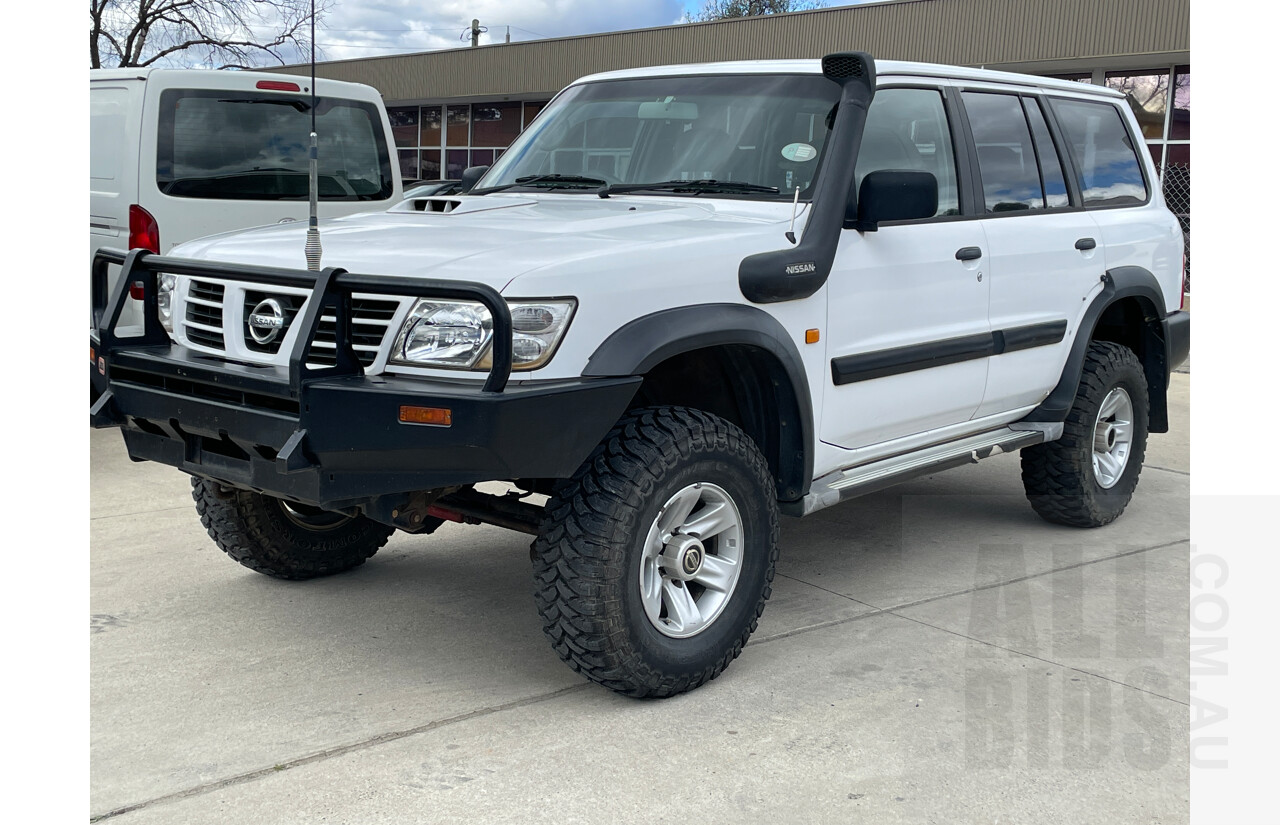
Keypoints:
(211, 33)
(729, 9)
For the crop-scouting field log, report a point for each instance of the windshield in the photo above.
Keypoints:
(249, 146)
(766, 131)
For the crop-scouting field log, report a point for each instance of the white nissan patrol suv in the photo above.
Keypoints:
(686, 300)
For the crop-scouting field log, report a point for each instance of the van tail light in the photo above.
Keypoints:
(278, 86)
(144, 232)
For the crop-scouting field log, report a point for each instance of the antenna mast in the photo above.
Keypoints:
(312, 249)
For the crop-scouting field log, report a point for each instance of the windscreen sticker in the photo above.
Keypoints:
(799, 152)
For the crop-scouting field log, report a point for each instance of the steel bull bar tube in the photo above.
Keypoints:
(324, 435)
(332, 289)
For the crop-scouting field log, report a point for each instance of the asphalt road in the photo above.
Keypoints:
(931, 653)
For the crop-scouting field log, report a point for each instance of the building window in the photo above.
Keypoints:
(439, 141)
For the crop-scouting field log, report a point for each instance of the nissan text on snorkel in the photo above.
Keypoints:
(686, 301)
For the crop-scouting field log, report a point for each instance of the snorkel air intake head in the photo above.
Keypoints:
(799, 271)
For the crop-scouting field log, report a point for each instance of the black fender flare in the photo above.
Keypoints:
(640, 345)
(1119, 283)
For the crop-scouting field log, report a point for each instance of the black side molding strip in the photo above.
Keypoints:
(883, 363)
(1032, 335)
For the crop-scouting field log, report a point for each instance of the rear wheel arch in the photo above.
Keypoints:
(1128, 311)
(733, 361)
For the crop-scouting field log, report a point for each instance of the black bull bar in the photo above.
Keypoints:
(329, 436)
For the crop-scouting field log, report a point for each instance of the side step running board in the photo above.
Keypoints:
(877, 475)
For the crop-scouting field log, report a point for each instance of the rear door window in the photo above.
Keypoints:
(230, 145)
(1006, 156)
(1103, 152)
(1055, 183)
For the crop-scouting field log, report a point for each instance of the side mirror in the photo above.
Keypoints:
(470, 177)
(895, 195)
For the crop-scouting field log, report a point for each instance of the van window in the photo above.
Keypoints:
(1103, 152)
(1006, 157)
(244, 146)
(907, 129)
(107, 108)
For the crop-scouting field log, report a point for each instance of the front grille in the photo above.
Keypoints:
(370, 322)
(203, 321)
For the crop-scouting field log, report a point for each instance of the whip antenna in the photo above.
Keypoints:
(313, 249)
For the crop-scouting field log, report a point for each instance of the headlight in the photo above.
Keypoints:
(164, 298)
(459, 334)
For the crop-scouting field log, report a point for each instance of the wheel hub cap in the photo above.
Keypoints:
(1112, 438)
(682, 557)
(691, 559)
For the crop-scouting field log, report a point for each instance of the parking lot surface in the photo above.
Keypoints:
(932, 653)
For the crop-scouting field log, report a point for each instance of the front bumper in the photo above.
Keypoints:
(333, 437)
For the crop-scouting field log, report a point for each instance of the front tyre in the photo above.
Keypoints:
(656, 559)
(287, 541)
(1087, 477)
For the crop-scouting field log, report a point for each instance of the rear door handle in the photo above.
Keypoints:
(1085, 244)
(968, 253)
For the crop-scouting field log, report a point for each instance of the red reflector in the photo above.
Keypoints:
(439, 416)
(279, 86)
(447, 515)
(144, 232)
(137, 291)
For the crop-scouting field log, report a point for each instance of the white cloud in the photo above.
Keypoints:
(383, 27)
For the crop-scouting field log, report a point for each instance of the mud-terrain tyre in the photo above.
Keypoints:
(1087, 477)
(655, 561)
(285, 541)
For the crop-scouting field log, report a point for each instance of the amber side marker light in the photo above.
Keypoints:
(436, 416)
(811, 336)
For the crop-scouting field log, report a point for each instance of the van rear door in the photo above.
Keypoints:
(224, 151)
(113, 159)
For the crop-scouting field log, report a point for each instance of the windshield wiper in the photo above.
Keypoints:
(556, 181)
(695, 186)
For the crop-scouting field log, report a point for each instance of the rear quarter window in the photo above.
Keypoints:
(1103, 152)
(229, 145)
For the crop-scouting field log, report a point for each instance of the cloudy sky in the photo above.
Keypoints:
(365, 28)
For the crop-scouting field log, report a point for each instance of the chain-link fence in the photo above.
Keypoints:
(1177, 195)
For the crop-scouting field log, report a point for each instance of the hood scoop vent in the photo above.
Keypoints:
(454, 204)
(436, 204)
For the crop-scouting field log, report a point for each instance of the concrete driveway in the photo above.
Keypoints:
(932, 653)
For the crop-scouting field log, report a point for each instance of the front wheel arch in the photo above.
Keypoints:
(749, 372)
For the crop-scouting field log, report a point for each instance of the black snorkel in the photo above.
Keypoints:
(800, 271)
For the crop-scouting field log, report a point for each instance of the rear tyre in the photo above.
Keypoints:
(287, 541)
(1087, 477)
(656, 559)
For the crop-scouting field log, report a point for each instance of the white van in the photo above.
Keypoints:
(180, 154)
